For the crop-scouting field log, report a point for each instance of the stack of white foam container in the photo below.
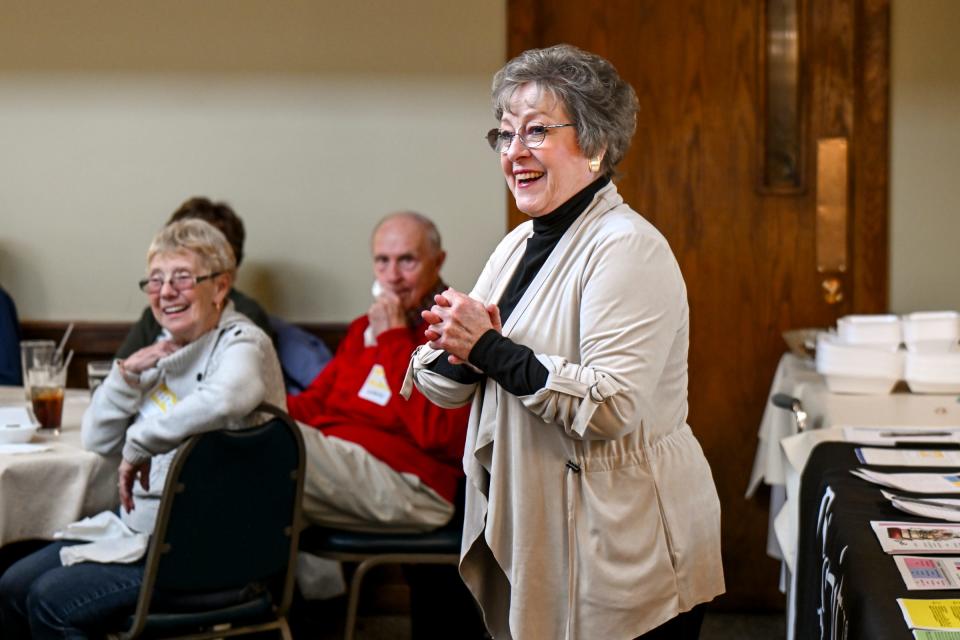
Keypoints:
(866, 355)
(932, 363)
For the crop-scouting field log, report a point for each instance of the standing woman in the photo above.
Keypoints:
(591, 511)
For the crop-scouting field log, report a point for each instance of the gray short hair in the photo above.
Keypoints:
(429, 227)
(198, 237)
(601, 104)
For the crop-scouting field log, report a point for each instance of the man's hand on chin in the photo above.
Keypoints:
(386, 313)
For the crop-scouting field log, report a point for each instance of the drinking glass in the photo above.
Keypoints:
(30, 350)
(97, 372)
(46, 378)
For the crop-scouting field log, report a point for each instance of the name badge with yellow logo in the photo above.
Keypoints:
(376, 389)
(160, 401)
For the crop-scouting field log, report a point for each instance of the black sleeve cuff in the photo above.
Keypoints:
(455, 372)
(514, 366)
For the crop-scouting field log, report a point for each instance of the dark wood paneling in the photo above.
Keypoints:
(871, 188)
(100, 340)
(748, 257)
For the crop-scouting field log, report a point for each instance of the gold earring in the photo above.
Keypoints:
(594, 164)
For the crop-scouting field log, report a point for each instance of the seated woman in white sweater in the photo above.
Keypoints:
(209, 370)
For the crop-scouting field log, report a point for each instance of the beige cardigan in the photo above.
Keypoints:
(591, 511)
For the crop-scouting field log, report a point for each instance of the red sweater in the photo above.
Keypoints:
(413, 436)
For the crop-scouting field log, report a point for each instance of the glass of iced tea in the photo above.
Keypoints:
(46, 380)
(34, 351)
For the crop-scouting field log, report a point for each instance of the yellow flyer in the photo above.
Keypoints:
(936, 615)
(924, 634)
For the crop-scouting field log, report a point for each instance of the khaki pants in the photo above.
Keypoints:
(347, 488)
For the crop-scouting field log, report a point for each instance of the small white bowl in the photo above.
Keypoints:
(17, 434)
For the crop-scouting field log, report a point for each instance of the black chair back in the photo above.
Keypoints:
(229, 521)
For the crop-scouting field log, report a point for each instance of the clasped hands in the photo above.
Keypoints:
(456, 323)
(147, 357)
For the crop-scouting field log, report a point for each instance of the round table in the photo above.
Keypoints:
(42, 492)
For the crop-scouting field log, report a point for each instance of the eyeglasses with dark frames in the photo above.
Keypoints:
(533, 136)
(179, 280)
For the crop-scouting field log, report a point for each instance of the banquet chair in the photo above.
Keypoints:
(369, 550)
(222, 557)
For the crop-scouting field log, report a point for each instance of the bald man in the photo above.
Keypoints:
(377, 462)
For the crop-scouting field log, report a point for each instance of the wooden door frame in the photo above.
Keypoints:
(870, 162)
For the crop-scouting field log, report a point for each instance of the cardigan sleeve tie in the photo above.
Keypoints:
(442, 391)
(572, 396)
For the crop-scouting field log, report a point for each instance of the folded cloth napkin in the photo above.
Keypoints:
(319, 578)
(110, 540)
(15, 449)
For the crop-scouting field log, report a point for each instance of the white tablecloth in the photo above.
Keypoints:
(797, 377)
(782, 452)
(42, 492)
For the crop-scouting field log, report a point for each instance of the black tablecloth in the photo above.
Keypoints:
(845, 570)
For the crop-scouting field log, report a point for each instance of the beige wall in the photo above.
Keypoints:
(925, 155)
(313, 119)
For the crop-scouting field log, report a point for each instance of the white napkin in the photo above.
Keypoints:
(319, 578)
(110, 540)
(15, 449)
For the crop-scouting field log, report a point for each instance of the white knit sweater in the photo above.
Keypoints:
(213, 383)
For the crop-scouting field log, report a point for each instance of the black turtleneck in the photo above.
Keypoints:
(514, 366)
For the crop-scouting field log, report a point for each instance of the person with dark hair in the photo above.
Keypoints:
(591, 510)
(9, 341)
(220, 215)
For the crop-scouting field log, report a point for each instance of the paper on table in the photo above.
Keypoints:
(798, 447)
(909, 457)
(925, 572)
(936, 615)
(917, 537)
(891, 435)
(925, 634)
(933, 508)
(913, 482)
(16, 449)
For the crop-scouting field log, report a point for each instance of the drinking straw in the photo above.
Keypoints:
(66, 362)
(63, 340)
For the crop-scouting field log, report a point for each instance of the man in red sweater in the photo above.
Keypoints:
(377, 462)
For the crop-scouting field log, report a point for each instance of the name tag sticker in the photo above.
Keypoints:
(159, 402)
(375, 388)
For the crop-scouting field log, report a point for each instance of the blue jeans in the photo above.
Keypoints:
(40, 598)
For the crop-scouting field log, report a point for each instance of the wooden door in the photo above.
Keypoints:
(747, 238)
